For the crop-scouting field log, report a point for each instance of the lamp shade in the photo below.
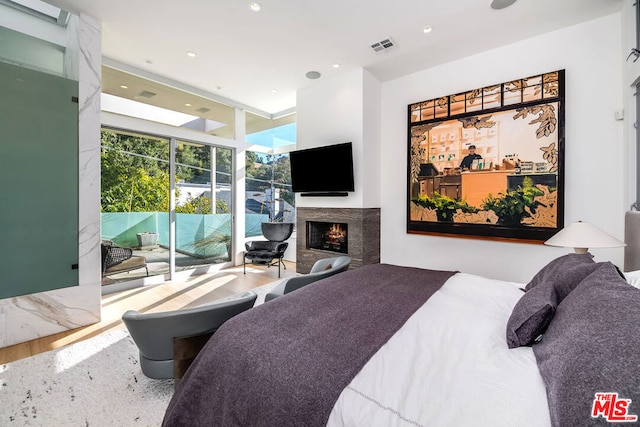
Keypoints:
(581, 236)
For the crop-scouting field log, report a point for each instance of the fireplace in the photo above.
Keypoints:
(328, 236)
(361, 228)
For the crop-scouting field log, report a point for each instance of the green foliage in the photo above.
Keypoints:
(193, 163)
(130, 188)
(150, 154)
(201, 205)
(445, 206)
(510, 206)
(135, 173)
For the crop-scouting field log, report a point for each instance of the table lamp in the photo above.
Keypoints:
(581, 236)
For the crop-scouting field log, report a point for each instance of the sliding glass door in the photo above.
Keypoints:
(136, 173)
(203, 205)
(135, 201)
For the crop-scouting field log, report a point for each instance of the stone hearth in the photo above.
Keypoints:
(363, 238)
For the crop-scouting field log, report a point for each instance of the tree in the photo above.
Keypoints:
(253, 170)
(135, 173)
(133, 183)
(201, 205)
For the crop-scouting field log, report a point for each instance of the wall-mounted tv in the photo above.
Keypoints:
(322, 171)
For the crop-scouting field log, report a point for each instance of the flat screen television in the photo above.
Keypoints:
(322, 171)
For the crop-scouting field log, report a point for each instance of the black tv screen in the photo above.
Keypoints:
(322, 169)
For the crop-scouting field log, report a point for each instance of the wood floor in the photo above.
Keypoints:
(167, 296)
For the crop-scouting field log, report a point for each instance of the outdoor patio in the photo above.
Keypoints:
(158, 263)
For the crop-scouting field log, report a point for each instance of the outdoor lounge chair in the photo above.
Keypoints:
(116, 259)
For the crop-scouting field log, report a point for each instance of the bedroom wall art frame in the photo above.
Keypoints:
(515, 191)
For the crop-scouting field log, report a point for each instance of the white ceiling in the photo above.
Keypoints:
(243, 55)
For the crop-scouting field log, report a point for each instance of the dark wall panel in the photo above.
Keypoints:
(38, 181)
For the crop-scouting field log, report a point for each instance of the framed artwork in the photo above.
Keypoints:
(489, 162)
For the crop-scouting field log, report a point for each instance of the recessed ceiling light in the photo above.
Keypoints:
(187, 105)
(501, 4)
(191, 54)
(427, 29)
(336, 65)
(124, 86)
(313, 75)
(274, 90)
(256, 7)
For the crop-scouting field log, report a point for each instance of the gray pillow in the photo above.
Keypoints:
(592, 346)
(534, 311)
(531, 316)
(563, 271)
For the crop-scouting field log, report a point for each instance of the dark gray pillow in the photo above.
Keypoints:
(534, 311)
(592, 346)
(563, 271)
(531, 315)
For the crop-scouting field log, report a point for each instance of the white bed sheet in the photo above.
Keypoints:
(449, 365)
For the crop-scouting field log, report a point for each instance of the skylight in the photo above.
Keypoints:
(279, 136)
(127, 107)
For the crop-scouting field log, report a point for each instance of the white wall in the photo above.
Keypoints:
(338, 110)
(595, 148)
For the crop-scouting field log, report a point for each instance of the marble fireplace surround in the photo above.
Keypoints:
(363, 240)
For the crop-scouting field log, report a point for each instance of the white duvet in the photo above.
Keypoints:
(449, 365)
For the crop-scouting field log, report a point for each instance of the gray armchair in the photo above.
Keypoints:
(155, 333)
(321, 269)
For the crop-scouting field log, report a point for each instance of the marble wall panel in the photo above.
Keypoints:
(28, 317)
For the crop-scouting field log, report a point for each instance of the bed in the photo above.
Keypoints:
(398, 346)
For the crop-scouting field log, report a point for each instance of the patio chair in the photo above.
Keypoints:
(271, 251)
(116, 259)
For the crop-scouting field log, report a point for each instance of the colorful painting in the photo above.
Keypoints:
(489, 162)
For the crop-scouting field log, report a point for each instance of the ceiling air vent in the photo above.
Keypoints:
(203, 110)
(147, 94)
(383, 46)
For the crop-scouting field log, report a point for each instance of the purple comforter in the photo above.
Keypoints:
(285, 363)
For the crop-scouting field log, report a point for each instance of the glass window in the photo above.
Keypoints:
(271, 133)
(268, 191)
(268, 195)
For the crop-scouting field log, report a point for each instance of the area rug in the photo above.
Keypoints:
(96, 382)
